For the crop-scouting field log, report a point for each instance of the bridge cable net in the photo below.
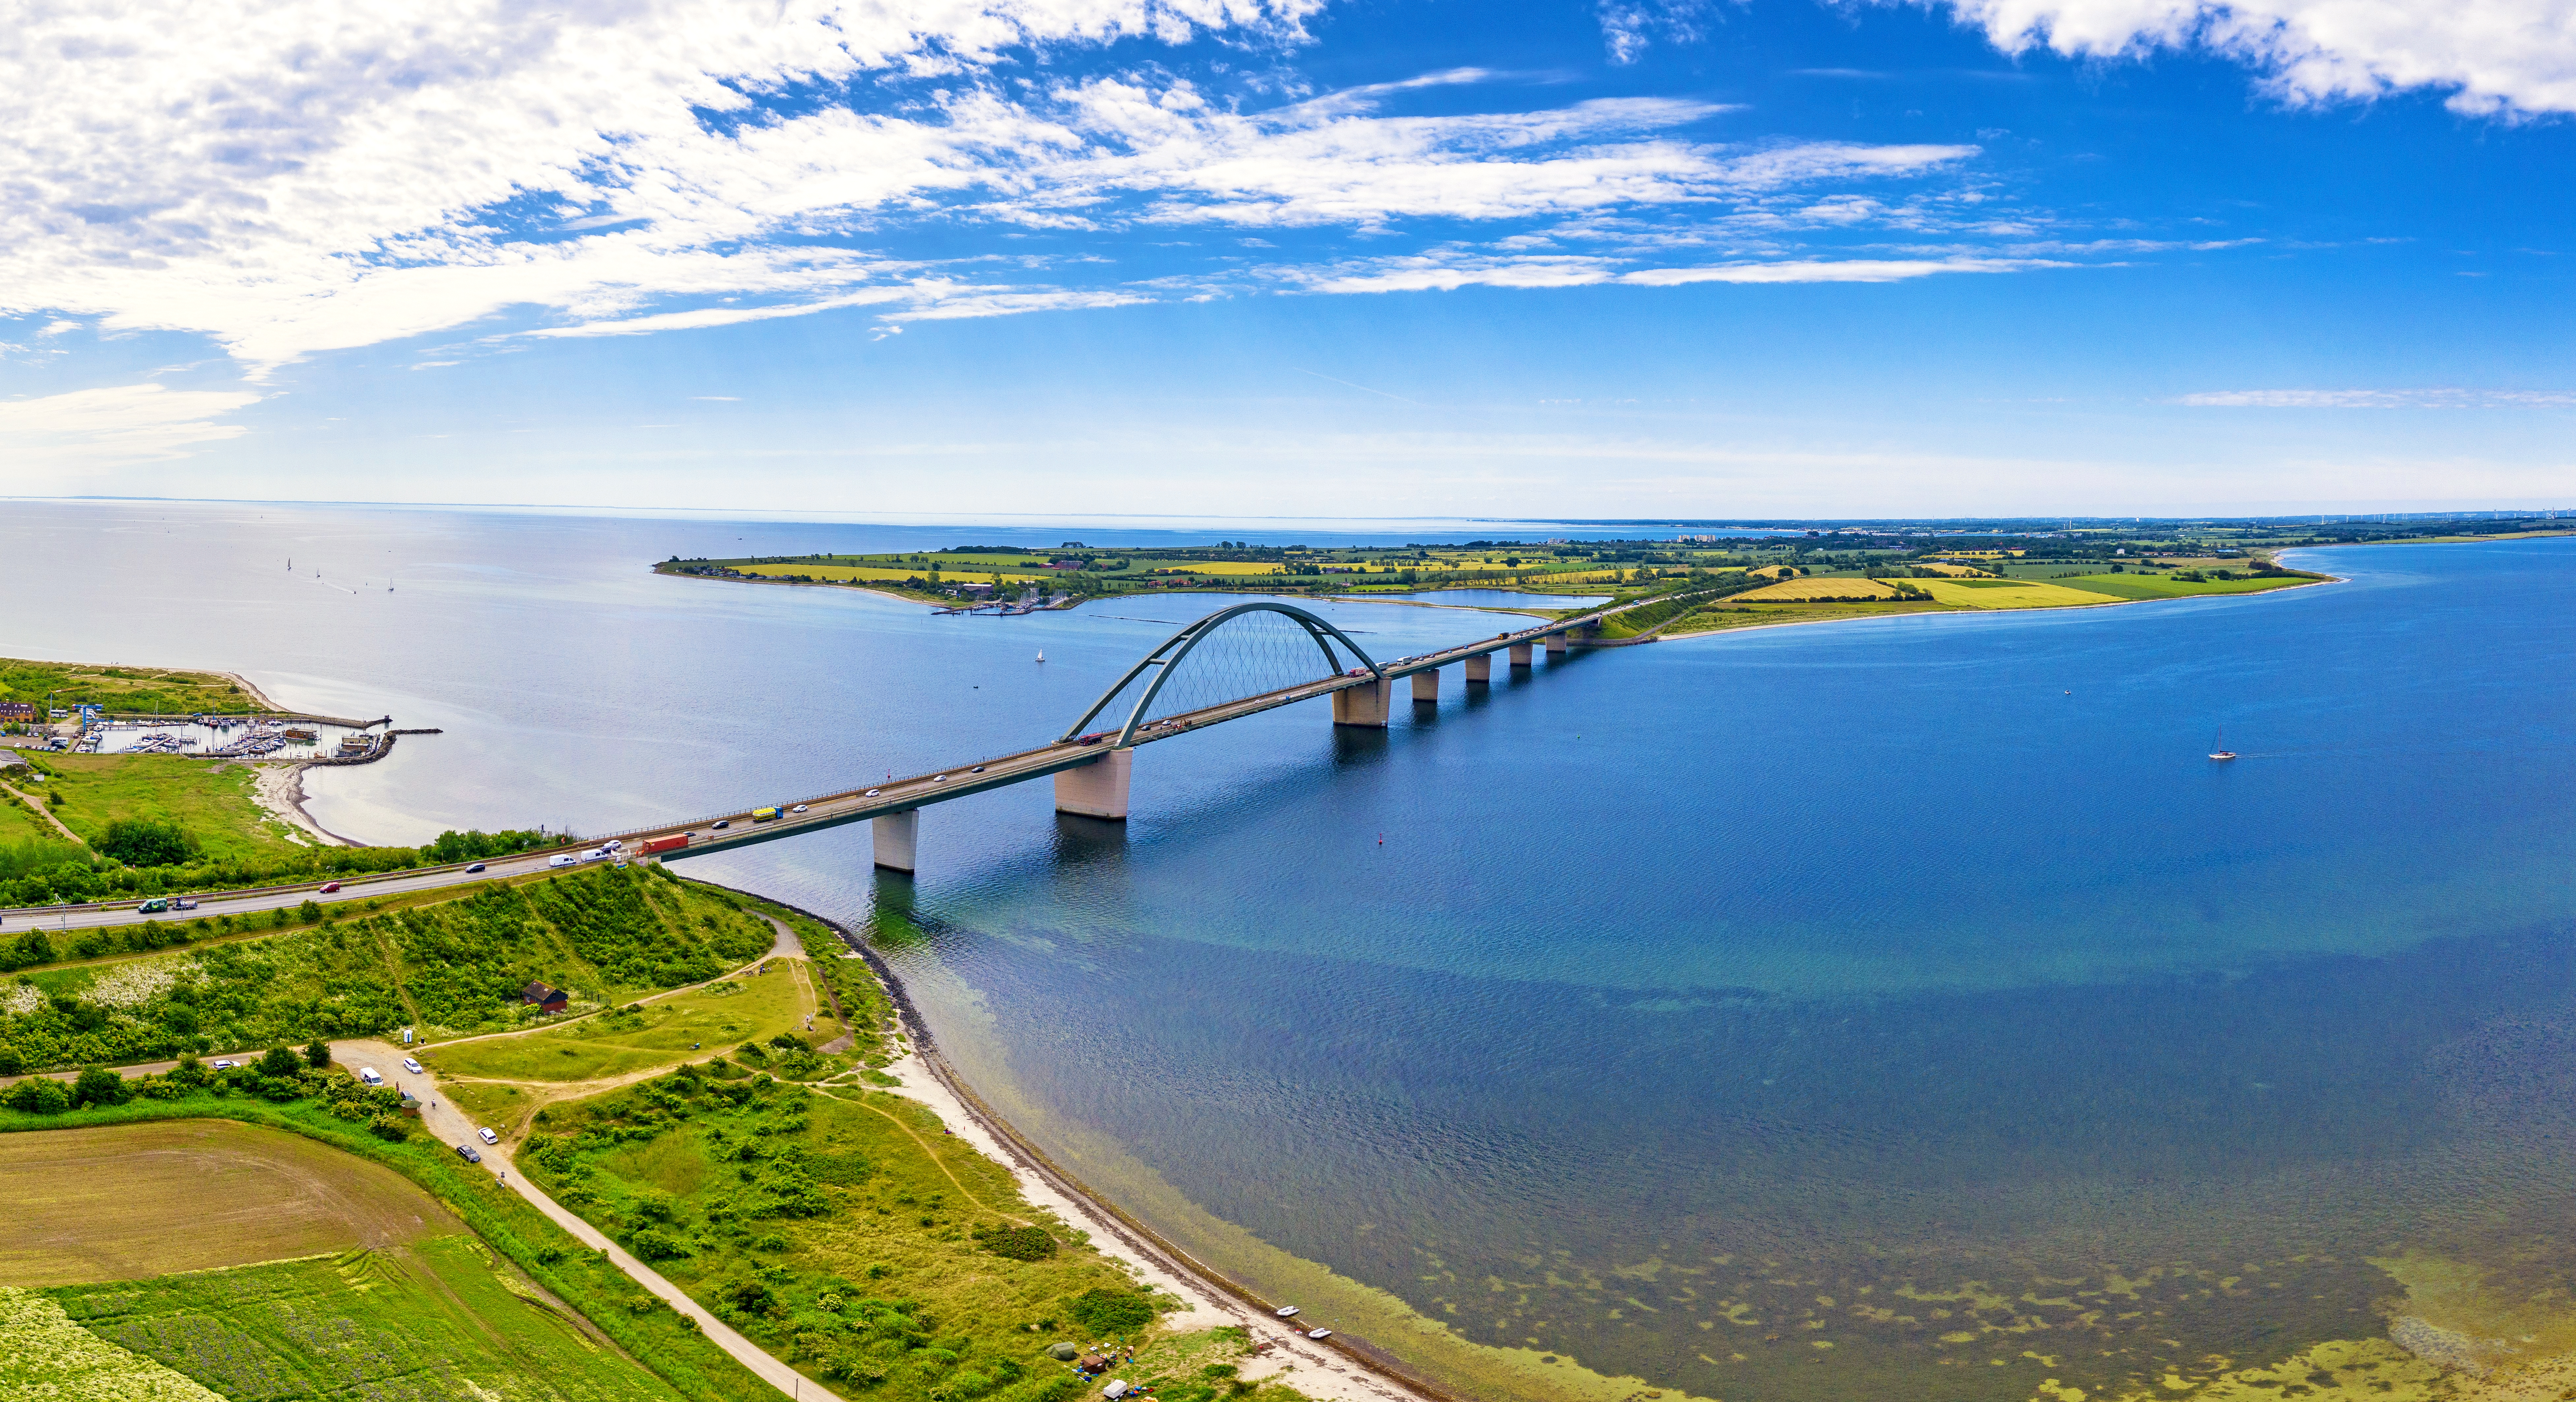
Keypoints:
(1243, 656)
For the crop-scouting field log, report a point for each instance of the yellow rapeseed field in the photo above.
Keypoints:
(2000, 595)
(1793, 590)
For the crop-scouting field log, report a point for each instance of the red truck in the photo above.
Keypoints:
(667, 844)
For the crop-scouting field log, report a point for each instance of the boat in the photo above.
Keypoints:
(2218, 747)
(1042, 654)
(1287, 1311)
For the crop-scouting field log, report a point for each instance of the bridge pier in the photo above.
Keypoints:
(1520, 654)
(1426, 685)
(1555, 646)
(1364, 704)
(1480, 669)
(1098, 789)
(898, 839)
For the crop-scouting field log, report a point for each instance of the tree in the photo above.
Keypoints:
(318, 1055)
(280, 1062)
(39, 1095)
(309, 912)
(10, 1062)
(147, 842)
(99, 1086)
(393, 1129)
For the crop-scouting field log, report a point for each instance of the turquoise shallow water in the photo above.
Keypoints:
(1923, 966)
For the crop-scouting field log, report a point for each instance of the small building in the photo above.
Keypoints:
(544, 999)
(17, 710)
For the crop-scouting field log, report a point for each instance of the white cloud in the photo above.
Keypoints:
(1449, 269)
(2492, 56)
(2381, 399)
(120, 424)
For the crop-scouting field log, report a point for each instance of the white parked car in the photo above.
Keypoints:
(487, 1136)
(413, 1067)
(368, 1075)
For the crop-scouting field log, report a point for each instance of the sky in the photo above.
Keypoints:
(1246, 258)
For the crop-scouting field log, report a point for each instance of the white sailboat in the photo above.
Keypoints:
(2218, 747)
(1042, 654)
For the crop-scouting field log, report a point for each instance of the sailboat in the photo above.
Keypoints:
(1042, 654)
(2218, 747)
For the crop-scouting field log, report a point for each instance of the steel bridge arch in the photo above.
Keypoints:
(1168, 657)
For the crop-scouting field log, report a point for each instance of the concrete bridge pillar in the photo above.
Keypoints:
(1098, 789)
(1480, 669)
(1520, 654)
(1364, 704)
(1426, 685)
(1555, 645)
(898, 839)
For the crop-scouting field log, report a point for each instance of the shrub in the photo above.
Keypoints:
(1110, 1311)
(10, 1062)
(393, 1129)
(39, 1095)
(280, 1062)
(1016, 1243)
(99, 1086)
(147, 842)
(650, 1245)
(318, 1055)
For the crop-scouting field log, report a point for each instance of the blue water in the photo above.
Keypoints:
(1689, 985)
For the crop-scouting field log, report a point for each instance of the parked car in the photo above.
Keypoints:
(330, 887)
(413, 1066)
(614, 845)
(369, 1076)
(487, 1136)
(478, 866)
(469, 1153)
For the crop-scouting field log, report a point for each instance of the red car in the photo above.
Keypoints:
(330, 886)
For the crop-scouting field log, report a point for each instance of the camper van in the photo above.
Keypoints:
(367, 1075)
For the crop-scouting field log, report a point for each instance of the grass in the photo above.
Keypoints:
(2161, 586)
(661, 1033)
(210, 798)
(133, 690)
(1727, 614)
(838, 1227)
(124, 1201)
(1795, 589)
(553, 1261)
(437, 1319)
(50, 1356)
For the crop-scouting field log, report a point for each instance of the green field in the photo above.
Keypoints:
(844, 1230)
(1726, 614)
(132, 690)
(48, 1356)
(2165, 586)
(693, 1025)
(432, 1321)
(211, 799)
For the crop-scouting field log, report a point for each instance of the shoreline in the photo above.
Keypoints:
(1657, 634)
(1335, 1370)
(278, 788)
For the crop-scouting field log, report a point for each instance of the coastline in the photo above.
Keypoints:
(1657, 634)
(1335, 1370)
(278, 788)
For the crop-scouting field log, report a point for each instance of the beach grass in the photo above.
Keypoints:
(211, 799)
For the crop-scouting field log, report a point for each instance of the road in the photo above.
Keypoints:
(727, 831)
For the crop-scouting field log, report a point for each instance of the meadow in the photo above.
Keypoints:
(210, 799)
(119, 1202)
(430, 1321)
(700, 1023)
(49, 1356)
(2007, 594)
(844, 1230)
(2165, 586)
(136, 690)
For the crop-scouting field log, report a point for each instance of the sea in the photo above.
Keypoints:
(1905, 1008)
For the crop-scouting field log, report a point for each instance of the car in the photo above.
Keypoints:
(226, 1065)
(614, 845)
(873, 793)
(723, 823)
(799, 808)
(183, 903)
(561, 859)
(487, 1136)
(978, 769)
(154, 906)
(939, 778)
(368, 1075)
(469, 1153)
(330, 887)
(478, 866)
(412, 1064)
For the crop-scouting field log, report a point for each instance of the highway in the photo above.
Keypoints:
(725, 832)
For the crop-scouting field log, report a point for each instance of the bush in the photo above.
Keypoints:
(39, 1095)
(280, 1062)
(393, 1129)
(318, 1055)
(99, 1086)
(650, 1245)
(10, 1062)
(1016, 1243)
(147, 842)
(1110, 1311)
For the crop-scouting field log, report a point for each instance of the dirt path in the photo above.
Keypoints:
(47, 814)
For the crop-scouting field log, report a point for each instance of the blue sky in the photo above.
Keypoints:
(1257, 257)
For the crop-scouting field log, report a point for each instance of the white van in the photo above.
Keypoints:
(368, 1075)
(560, 859)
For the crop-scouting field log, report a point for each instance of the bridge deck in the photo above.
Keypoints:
(828, 810)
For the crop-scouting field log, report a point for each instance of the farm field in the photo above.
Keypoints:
(2006, 594)
(870, 573)
(1829, 588)
(430, 1321)
(119, 1202)
(2160, 586)
(694, 1025)
(1727, 614)
(842, 1229)
(49, 1356)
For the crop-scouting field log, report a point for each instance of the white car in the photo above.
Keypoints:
(226, 1065)
(799, 808)
(487, 1136)
(413, 1067)
(368, 1075)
